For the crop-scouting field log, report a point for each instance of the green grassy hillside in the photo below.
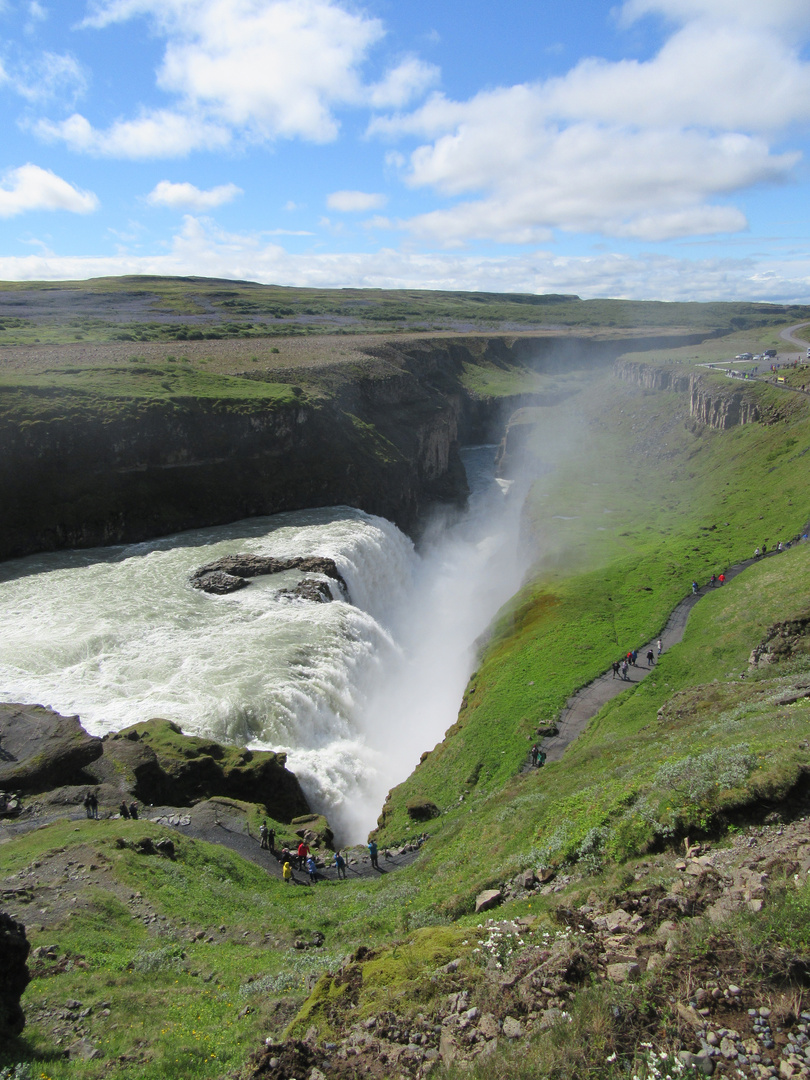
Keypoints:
(188, 965)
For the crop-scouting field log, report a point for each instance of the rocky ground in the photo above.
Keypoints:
(713, 1008)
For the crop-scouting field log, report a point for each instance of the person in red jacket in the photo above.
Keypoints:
(303, 855)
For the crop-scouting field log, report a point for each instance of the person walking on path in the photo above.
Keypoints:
(311, 870)
(625, 669)
(87, 805)
(303, 855)
(133, 811)
(616, 668)
(660, 647)
(650, 658)
(263, 835)
(722, 579)
(535, 750)
(286, 872)
(634, 657)
(340, 864)
(93, 805)
(123, 810)
(372, 850)
(713, 581)
(695, 587)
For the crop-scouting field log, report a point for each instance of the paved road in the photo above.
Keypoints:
(788, 335)
(587, 702)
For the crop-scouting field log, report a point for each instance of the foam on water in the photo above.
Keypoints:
(352, 691)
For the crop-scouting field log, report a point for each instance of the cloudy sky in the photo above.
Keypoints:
(648, 148)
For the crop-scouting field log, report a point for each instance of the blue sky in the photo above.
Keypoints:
(654, 149)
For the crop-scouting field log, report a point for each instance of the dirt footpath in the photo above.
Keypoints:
(587, 702)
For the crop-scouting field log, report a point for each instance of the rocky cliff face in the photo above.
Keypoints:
(383, 437)
(718, 407)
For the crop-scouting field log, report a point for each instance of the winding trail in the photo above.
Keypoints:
(586, 703)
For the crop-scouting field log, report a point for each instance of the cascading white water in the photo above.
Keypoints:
(353, 692)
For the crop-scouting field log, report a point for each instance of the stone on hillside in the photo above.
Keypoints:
(448, 1048)
(40, 750)
(512, 1028)
(488, 1026)
(489, 898)
(691, 1015)
(14, 948)
(314, 829)
(620, 973)
(526, 880)
(701, 1063)
(83, 1050)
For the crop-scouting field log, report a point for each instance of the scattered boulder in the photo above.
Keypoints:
(512, 1028)
(314, 829)
(14, 949)
(782, 641)
(39, 749)
(489, 898)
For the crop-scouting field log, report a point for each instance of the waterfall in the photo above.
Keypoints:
(352, 691)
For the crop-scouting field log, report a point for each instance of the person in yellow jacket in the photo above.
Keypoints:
(286, 872)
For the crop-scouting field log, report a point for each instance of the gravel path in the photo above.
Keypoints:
(587, 702)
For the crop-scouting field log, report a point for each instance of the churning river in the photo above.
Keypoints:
(353, 691)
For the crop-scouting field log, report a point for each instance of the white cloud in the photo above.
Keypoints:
(785, 16)
(201, 248)
(249, 69)
(31, 188)
(50, 75)
(188, 197)
(160, 134)
(648, 150)
(403, 83)
(355, 201)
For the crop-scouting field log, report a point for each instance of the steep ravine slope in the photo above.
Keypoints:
(128, 452)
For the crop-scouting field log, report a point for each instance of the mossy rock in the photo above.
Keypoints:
(178, 770)
(314, 828)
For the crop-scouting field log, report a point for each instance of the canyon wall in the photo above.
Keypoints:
(382, 436)
(718, 406)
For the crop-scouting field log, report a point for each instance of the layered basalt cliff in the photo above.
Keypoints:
(716, 406)
(382, 436)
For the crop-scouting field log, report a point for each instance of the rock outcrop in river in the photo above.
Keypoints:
(232, 572)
